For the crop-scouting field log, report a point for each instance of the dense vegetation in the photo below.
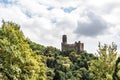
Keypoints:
(22, 59)
(17, 60)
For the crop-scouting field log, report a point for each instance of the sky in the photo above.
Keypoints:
(45, 21)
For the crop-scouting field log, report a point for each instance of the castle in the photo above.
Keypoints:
(77, 46)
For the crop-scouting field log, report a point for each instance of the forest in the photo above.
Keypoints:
(23, 59)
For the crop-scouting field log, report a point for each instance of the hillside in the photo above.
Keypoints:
(22, 59)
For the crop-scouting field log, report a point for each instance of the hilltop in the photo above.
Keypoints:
(22, 59)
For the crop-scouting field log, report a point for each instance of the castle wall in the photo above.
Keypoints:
(67, 46)
(77, 46)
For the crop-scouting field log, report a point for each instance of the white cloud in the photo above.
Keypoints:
(44, 21)
(12, 13)
(94, 27)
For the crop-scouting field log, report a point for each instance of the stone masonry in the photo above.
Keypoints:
(77, 46)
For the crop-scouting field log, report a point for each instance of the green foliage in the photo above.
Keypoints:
(103, 67)
(17, 60)
(116, 74)
(37, 48)
(59, 75)
(22, 59)
(51, 52)
(50, 74)
(64, 65)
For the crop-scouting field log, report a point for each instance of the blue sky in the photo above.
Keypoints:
(8, 1)
(45, 21)
(68, 9)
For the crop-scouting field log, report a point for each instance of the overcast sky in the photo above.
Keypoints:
(45, 21)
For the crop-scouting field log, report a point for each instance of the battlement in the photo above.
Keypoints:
(77, 46)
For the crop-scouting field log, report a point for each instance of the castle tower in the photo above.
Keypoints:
(77, 46)
(64, 38)
(64, 42)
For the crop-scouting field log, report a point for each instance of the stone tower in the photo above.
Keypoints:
(77, 46)
(64, 38)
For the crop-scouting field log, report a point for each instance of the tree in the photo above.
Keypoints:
(59, 75)
(37, 48)
(17, 60)
(103, 67)
(116, 74)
